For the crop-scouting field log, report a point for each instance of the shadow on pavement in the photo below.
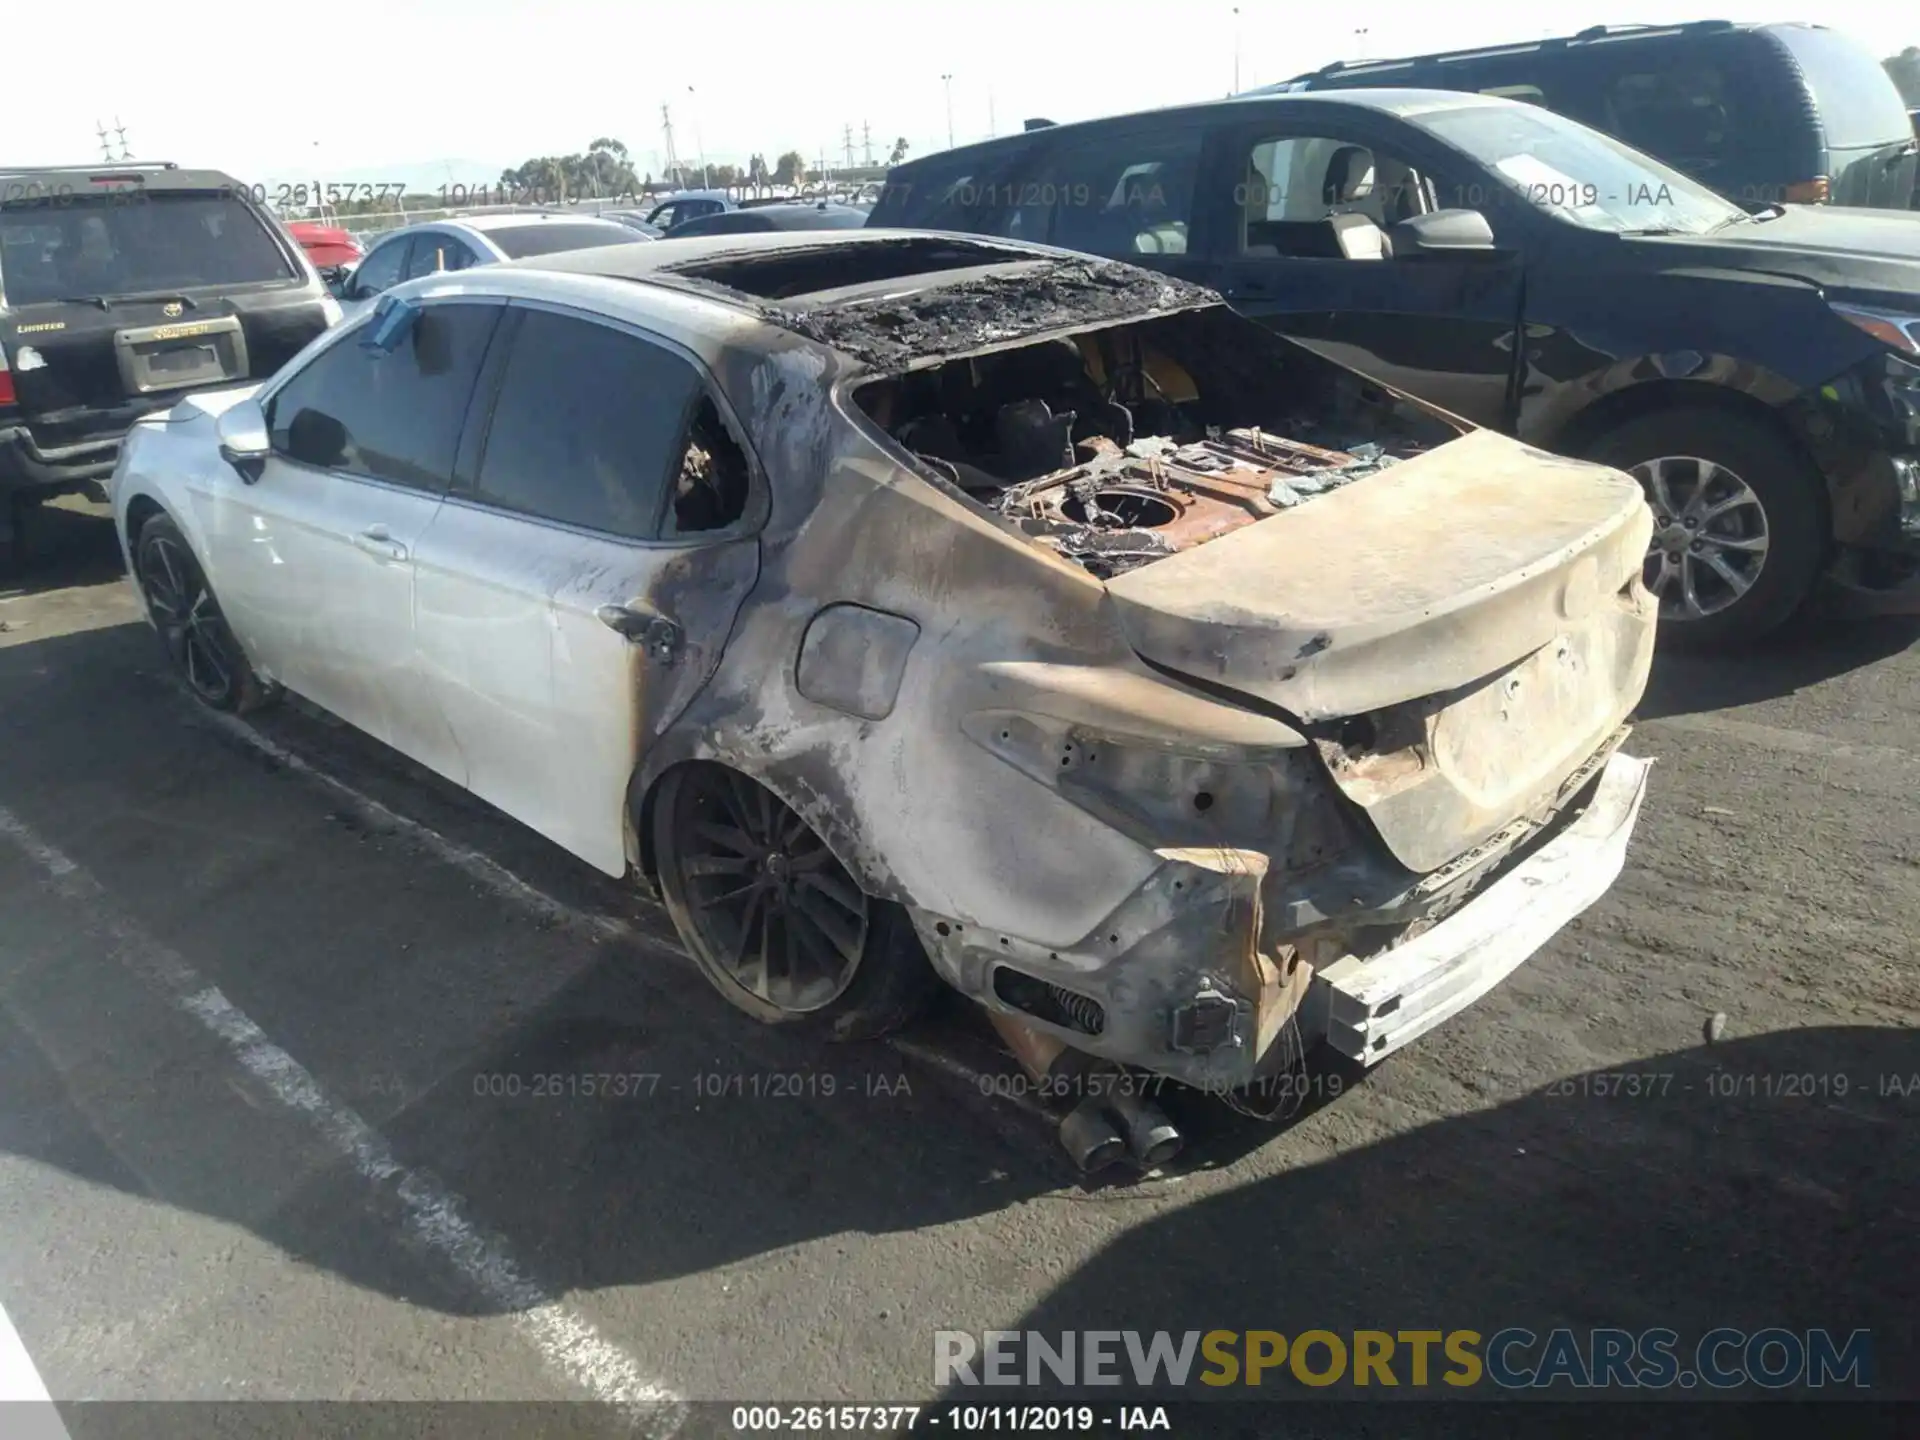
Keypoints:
(65, 543)
(1741, 1188)
(1809, 652)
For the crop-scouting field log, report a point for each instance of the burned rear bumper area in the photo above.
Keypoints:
(1218, 969)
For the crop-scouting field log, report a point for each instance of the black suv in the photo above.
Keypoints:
(1762, 113)
(121, 288)
(1758, 372)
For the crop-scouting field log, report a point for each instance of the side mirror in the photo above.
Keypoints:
(242, 433)
(1444, 234)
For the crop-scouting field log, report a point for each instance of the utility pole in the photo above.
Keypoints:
(993, 128)
(947, 80)
(673, 160)
(125, 153)
(106, 150)
(699, 146)
(866, 141)
(1360, 43)
(1236, 49)
(847, 140)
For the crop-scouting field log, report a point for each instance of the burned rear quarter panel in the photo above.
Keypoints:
(920, 813)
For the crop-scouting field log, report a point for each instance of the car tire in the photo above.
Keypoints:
(1754, 491)
(202, 648)
(772, 918)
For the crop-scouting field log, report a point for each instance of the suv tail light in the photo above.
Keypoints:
(8, 396)
(1816, 191)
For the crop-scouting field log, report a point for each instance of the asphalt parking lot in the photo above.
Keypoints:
(320, 1080)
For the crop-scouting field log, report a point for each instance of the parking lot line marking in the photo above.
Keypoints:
(565, 1339)
(20, 1382)
(511, 888)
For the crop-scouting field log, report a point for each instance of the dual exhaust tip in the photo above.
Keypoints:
(1106, 1129)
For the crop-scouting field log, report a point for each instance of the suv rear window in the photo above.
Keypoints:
(522, 241)
(133, 245)
(1858, 102)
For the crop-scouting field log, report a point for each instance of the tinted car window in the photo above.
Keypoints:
(949, 194)
(382, 268)
(392, 416)
(88, 245)
(433, 253)
(733, 222)
(588, 421)
(1124, 195)
(1859, 104)
(524, 240)
(1685, 113)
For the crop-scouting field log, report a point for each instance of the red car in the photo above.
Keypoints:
(327, 246)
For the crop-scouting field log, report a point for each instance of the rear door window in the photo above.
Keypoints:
(964, 194)
(134, 243)
(393, 417)
(1123, 194)
(588, 422)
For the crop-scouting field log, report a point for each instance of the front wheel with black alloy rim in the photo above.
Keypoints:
(773, 919)
(1739, 523)
(198, 641)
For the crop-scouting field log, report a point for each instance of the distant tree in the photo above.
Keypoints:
(725, 177)
(605, 169)
(1904, 70)
(790, 168)
(899, 151)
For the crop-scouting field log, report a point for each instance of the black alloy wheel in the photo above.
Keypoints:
(196, 635)
(774, 920)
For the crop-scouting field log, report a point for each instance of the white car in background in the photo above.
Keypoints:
(460, 244)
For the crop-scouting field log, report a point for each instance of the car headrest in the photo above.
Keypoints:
(1349, 176)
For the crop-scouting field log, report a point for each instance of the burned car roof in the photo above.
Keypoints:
(892, 299)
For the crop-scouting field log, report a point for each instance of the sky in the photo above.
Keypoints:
(460, 88)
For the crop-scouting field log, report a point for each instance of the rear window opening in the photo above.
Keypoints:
(710, 491)
(783, 274)
(101, 247)
(1119, 445)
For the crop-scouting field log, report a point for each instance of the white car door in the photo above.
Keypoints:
(572, 596)
(317, 554)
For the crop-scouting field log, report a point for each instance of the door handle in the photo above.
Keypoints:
(378, 543)
(662, 637)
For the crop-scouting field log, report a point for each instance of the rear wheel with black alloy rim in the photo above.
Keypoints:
(773, 919)
(204, 651)
(1739, 525)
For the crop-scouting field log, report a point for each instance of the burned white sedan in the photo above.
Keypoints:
(908, 606)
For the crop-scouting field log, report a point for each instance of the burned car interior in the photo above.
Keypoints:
(1116, 446)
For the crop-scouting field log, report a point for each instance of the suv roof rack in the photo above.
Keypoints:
(101, 168)
(1586, 36)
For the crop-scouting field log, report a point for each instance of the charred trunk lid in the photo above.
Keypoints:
(1459, 632)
